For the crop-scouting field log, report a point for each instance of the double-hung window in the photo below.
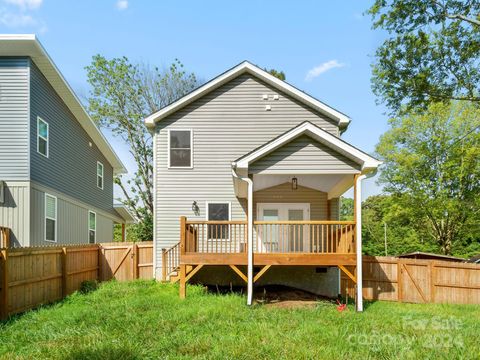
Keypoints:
(42, 137)
(92, 227)
(180, 149)
(50, 218)
(99, 175)
(218, 211)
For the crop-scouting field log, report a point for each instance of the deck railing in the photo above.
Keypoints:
(4, 237)
(312, 237)
(170, 260)
(226, 237)
(230, 237)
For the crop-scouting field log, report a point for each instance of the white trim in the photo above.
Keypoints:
(358, 242)
(207, 203)
(247, 67)
(47, 139)
(191, 150)
(102, 176)
(154, 217)
(365, 160)
(49, 218)
(89, 229)
(29, 45)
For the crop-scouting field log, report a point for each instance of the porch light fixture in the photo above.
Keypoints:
(294, 183)
(195, 208)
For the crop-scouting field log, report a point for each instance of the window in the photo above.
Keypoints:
(92, 227)
(180, 154)
(50, 218)
(42, 137)
(218, 212)
(99, 175)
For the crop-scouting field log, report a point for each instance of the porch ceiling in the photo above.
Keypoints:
(333, 184)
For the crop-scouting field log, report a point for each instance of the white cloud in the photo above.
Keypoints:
(13, 20)
(25, 4)
(322, 68)
(122, 4)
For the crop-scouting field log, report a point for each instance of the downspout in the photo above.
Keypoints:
(249, 233)
(358, 236)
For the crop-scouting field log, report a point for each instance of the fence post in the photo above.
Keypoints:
(64, 272)
(4, 284)
(135, 261)
(399, 280)
(164, 264)
(431, 267)
(101, 258)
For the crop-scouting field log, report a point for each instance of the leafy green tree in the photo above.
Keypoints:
(431, 53)
(276, 73)
(122, 95)
(432, 169)
(346, 209)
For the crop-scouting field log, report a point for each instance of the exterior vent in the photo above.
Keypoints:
(2, 192)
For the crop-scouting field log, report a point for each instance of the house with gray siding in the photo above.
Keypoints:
(56, 167)
(249, 171)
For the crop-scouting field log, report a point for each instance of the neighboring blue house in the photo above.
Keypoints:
(56, 167)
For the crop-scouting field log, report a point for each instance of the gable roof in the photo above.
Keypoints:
(28, 45)
(242, 68)
(367, 162)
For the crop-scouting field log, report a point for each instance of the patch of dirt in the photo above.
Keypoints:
(287, 298)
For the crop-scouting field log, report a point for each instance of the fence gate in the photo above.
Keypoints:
(414, 281)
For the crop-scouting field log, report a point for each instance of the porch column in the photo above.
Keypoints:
(358, 236)
(250, 241)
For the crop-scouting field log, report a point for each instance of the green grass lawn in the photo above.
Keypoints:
(144, 319)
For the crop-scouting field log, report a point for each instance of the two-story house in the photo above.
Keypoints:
(248, 175)
(56, 167)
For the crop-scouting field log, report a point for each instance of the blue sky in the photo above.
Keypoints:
(324, 47)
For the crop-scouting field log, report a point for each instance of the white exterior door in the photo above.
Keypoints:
(283, 238)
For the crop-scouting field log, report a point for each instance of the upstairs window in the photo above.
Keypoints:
(99, 175)
(180, 154)
(50, 218)
(42, 137)
(92, 227)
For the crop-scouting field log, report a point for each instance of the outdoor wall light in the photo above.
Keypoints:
(294, 183)
(195, 208)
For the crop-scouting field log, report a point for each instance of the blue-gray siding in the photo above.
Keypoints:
(14, 100)
(72, 164)
(304, 155)
(72, 220)
(227, 123)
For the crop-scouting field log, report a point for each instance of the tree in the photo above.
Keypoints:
(276, 73)
(122, 95)
(431, 54)
(346, 209)
(432, 168)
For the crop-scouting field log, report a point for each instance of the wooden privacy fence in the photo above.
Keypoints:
(38, 275)
(417, 281)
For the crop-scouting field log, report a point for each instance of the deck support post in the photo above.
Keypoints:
(183, 282)
(358, 239)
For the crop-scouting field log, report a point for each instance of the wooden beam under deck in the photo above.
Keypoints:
(297, 259)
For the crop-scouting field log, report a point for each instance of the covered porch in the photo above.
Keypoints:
(291, 188)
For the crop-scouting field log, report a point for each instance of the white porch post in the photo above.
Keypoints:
(250, 242)
(358, 237)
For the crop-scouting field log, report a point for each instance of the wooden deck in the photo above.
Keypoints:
(274, 243)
